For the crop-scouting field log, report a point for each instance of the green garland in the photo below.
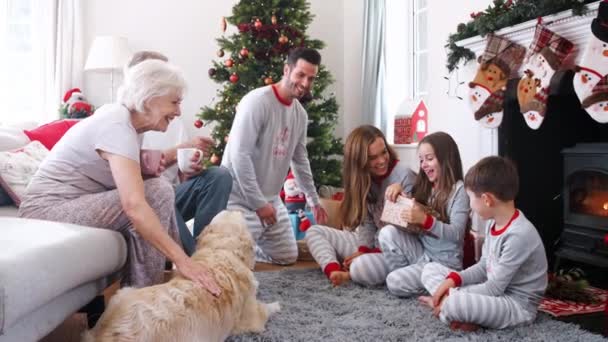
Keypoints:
(504, 14)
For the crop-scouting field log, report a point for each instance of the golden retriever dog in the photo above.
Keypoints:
(181, 311)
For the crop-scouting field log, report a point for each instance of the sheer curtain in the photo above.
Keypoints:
(374, 64)
(42, 57)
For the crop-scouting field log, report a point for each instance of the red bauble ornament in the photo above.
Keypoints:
(229, 63)
(244, 52)
(268, 81)
(215, 160)
(199, 123)
(220, 53)
(283, 39)
(234, 78)
(257, 24)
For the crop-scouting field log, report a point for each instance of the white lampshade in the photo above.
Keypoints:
(108, 53)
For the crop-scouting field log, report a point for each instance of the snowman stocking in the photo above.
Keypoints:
(486, 93)
(594, 62)
(547, 52)
(596, 104)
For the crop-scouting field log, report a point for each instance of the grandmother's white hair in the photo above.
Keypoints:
(148, 79)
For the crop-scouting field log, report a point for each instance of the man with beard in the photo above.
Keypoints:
(267, 137)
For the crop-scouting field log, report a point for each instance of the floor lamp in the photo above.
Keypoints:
(108, 53)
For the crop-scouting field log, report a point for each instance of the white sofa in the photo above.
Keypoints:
(49, 270)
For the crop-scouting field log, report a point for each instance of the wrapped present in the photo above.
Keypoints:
(392, 214)
(403, 130)
(296, 223)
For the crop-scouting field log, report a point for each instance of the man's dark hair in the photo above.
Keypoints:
(312, 56)
(496, 175)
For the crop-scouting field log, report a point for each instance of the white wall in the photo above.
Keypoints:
(451, 114)
(185, 31)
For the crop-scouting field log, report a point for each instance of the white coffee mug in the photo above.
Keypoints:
(184, 158)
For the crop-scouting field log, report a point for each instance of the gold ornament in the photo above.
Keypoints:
(273, 19)
(223, 24)
(268, 81)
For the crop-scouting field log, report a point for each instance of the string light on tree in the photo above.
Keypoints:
(283, 39)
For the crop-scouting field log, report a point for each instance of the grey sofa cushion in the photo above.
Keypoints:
(41, 260)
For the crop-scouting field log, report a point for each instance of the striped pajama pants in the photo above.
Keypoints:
(405, 258)
(461, 306)
(275, 244)
(329, 245)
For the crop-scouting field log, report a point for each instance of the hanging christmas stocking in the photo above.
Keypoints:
(596, 104)
(547, 52)
(594, 62)
(501, 57)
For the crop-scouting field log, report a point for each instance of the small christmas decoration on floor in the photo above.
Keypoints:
(568, 293)
(546, 54)
(295, 202)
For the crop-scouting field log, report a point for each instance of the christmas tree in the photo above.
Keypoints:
(254, 57)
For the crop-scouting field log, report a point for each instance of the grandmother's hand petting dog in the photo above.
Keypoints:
(198, 274)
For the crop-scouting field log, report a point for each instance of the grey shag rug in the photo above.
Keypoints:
(312, 310)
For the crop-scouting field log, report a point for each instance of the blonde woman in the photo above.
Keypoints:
(371, 174)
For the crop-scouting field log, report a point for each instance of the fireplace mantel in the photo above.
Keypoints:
(572, 27)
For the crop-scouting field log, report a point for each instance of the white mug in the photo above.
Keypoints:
(184, 158)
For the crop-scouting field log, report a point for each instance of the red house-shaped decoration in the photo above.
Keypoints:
(420, 125)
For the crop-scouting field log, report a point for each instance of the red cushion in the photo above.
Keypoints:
(49, 134)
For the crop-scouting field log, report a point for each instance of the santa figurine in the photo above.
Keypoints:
(295, 201)
(75, 105)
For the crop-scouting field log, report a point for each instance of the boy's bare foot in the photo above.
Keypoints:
(338, 278)
(426, 301)
(468, 327)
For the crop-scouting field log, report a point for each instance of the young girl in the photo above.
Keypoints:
(370, 172)
(439, 187)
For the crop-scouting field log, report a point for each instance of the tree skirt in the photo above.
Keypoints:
(312, 310)
(561, 308)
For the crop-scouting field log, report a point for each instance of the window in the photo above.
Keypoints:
(420, 48)
(406, 56)
(16, 61)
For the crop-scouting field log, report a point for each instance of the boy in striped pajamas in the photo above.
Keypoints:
(505, 287)
(372, 174)
(267, 136)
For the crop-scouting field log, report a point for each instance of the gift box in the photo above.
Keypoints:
(403, 130)
(295, 224)
(391, 214)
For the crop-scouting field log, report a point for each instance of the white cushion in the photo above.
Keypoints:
(12, 138)
(18, 167)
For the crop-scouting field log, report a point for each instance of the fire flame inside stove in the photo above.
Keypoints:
(605, 206)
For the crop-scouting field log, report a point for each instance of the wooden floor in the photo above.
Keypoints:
(71, 329)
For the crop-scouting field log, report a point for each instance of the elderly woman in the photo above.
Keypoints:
(93, 177)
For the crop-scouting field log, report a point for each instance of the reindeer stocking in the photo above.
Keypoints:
(547, 52)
